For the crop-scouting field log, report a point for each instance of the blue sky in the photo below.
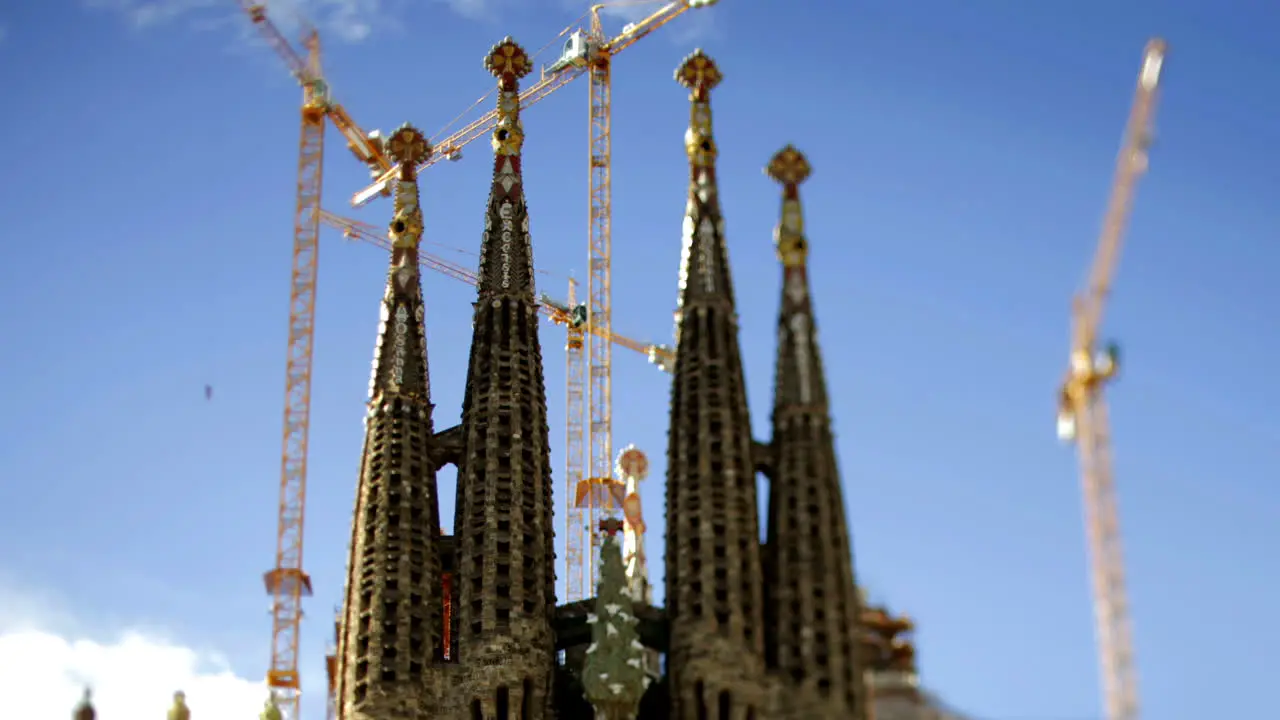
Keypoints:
(962, 153)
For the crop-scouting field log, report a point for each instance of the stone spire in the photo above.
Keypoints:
(84, 709)
(713, 552)
(271, 710)
(506, 257)
(812, 602)
(400, 357)
(503, 526)
(799, 377)
(613, 673)
(704, 262)
(179, 709)
(390, 632)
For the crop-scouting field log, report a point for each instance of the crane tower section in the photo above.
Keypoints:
(577, 526)
(287, 583)
(599, 290)
(1082, 411)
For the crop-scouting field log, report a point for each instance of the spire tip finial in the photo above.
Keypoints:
(611, 526)
(699, 73)
(508, 60)
(789, 166)
(408, 146)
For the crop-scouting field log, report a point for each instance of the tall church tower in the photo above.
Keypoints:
(812, 601)
(713, 576)
(506, 575)
(390, 631)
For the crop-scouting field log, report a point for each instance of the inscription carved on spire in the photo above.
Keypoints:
(389, 633)
(400, 355)
(505, 545)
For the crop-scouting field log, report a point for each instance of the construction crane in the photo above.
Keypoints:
(1082, 410)
(569, 315)
(581, 49)
(587, 51)
(287, 583)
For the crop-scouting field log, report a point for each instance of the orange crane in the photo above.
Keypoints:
(587, 51)
(1082, 410)
(287, 583)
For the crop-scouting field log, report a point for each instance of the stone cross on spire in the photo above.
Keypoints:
(508, 62)
(408, 147)
(700, 74)
(790, 168)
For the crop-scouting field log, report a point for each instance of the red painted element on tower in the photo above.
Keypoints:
(446, 638)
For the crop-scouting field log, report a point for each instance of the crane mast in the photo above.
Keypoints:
(596, 496)
(1082, 412)
(599, 295)
(575, 564)
(287, 583)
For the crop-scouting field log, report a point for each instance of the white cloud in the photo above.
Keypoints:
(695, 25)
(474, 9)
(349, 20)
(45, 663)
(143, 14)
(133, 676)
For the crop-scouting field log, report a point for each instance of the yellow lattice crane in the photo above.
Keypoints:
(1082, 411)
(586, 51)
(287, 583)
(567, 315)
